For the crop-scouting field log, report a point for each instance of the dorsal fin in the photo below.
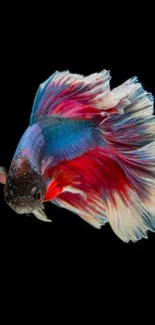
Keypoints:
(70, 95)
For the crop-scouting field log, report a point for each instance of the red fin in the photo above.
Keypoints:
(111, 188)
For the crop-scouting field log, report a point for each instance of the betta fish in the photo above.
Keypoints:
(89, 149)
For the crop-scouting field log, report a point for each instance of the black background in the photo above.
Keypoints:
(31, 55)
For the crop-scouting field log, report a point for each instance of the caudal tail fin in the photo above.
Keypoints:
(131, 139)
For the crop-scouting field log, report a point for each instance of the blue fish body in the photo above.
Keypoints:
(62, 139)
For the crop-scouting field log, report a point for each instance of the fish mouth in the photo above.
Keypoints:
(22, 210)
(23, 206)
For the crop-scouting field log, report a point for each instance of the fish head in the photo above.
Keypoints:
(24, 192)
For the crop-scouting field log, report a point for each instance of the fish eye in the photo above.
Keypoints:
(36, 194)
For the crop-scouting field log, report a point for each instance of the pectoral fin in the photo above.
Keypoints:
(3, 175)
(40, 214)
